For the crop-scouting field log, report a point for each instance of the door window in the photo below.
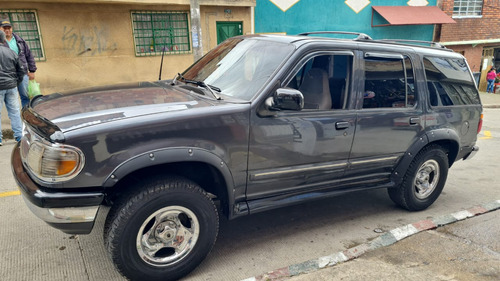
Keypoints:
(389, 82)
(324, 82)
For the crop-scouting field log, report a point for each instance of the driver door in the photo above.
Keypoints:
(299, 152)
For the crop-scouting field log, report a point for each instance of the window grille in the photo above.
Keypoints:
(157, 31)
(467, 8)
(25, 24)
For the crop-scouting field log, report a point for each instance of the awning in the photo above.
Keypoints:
(409, 15)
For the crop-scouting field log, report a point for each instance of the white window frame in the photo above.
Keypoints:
(467, 8)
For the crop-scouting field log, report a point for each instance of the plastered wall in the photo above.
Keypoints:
(92, 44)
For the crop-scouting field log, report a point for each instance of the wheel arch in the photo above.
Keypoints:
(199, 165)
(446, 138)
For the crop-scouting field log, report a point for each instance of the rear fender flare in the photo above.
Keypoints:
(433, 136)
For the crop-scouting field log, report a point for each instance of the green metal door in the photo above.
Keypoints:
(228, 29)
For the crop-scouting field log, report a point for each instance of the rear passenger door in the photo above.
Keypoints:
(389, 116)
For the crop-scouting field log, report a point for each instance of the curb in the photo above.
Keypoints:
(491, 106)
(386, 239)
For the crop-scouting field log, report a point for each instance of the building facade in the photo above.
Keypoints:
(476, 34)
(297, 16)
(80, 43)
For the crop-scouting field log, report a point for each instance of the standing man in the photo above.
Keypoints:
(18, 45)
(11, 75)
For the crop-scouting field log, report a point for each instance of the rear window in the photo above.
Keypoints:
(449, 82)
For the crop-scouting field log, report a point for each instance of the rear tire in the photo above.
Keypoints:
(424, 180)
(163, 231)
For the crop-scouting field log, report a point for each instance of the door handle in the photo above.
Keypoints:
(341, 125)
(414, 120)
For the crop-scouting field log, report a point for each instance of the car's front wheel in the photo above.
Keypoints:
(163, 231)
(424, 180)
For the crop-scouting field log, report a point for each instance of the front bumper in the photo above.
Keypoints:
(70, 212)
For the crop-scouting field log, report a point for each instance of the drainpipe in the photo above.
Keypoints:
(436, 34)
(252, 20)
(196, 30)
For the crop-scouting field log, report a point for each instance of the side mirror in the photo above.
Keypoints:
(286, 99)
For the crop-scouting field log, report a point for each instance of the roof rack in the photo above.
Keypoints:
(361, 36)
(431, 43)
(365, 37)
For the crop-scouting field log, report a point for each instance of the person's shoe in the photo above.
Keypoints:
(1, 143)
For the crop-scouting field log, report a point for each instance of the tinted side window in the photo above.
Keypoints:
(449, 82)
(324, 82)
(389, 83)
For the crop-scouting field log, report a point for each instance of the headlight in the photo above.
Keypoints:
(50, 162)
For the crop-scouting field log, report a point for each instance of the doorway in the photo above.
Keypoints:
(491, 57)
(227, 30)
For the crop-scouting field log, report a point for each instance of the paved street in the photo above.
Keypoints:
(466, 250)
(254, 245)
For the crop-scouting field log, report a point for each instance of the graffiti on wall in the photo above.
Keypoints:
(92, 41)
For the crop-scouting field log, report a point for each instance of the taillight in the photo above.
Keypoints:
(480, 125)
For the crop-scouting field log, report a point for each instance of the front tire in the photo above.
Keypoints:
(424, 180)
(163, 231)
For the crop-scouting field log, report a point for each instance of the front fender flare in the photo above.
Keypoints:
(172, 155)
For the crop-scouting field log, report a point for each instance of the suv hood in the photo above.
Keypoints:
(85, 107)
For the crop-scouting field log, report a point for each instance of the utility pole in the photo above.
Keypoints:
(196, 30)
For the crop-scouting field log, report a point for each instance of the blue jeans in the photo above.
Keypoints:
(491, 85)
(11, 100)
(23, 91)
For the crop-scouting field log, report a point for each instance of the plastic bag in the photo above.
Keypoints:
(33, 89)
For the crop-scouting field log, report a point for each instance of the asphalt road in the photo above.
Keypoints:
(249, 246)
(467, 250)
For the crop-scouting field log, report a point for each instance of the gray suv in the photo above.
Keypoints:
(258, 123)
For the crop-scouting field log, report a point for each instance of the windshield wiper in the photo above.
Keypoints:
(210, 88)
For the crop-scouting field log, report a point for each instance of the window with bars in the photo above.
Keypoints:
(25, 24)
(467, 8)
(155, 32)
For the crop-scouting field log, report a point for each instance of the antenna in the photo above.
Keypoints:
(161, 64)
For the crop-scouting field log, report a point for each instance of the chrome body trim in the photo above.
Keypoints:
(64, 215)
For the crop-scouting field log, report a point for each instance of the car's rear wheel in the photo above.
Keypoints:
(163, 231)
(424, 180)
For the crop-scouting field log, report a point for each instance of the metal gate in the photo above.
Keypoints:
(227, 30)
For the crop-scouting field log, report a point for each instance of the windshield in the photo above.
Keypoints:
(239, 67)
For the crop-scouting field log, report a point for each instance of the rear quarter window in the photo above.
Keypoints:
(449, 82)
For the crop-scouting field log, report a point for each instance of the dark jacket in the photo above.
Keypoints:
(25, 56)
(11, 69)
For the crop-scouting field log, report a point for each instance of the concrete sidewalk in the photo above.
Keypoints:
(460, 246)
(490, 100)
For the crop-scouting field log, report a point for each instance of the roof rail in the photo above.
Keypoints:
(431, 43)
(361, 36)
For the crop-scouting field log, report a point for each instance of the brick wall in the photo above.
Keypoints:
(486, 27)
(473, 54)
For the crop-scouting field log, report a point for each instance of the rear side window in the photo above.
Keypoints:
(449, 82)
